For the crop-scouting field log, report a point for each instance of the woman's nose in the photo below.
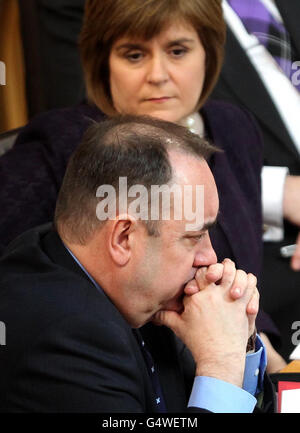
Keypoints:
(158, 70)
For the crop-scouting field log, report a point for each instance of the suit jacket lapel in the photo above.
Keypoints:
(248, 88)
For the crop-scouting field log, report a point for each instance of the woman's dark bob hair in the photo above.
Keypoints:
(106, 21)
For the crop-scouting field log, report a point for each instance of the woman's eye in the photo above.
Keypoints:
(134, 57)
(178, 52)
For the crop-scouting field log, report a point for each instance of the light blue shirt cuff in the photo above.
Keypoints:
(222, 397)
(255, 368)
(218, 396)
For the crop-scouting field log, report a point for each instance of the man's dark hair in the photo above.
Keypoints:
(126, 146)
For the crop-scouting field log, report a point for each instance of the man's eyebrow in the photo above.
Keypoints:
(207, 226)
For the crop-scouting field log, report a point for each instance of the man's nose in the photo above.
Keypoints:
(206, 255)
(158, 70)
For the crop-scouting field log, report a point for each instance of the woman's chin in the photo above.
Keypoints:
(164, 115)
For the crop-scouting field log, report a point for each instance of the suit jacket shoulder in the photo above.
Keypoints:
(68, 348)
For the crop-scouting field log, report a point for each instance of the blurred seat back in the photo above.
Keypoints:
(13, 106)
(50, 30)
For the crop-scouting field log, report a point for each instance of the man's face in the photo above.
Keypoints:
(163, 265)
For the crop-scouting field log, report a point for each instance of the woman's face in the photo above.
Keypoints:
(162, 77)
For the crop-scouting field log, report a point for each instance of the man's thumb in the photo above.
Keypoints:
(167, 318)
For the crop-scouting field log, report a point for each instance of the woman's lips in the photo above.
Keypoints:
(159, 100)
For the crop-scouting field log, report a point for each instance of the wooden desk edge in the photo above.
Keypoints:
(292, 367)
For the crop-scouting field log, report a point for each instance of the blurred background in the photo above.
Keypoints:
(41, 59)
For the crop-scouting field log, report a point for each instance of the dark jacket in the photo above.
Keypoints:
(68, 347)
(32, 172)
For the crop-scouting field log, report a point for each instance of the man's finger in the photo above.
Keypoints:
(214, 272)
(229, 274)
(218, 272)
(191, 288)
(295, 262)
(253, 305)
(252, 310)
(239, 285)
(251, 288)
(204, 276)
(200, 278)
(171, 319)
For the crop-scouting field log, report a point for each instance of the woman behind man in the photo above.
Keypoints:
(159, 58)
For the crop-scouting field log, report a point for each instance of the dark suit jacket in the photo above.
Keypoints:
(69, 349)
(240, 84)
(32, 172)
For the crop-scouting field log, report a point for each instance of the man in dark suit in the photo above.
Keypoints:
(78, 300)
(253, 78)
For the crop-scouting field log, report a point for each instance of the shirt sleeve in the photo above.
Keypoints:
(255, 368)
(222, 397)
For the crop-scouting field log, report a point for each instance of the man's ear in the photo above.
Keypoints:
(120, 239)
